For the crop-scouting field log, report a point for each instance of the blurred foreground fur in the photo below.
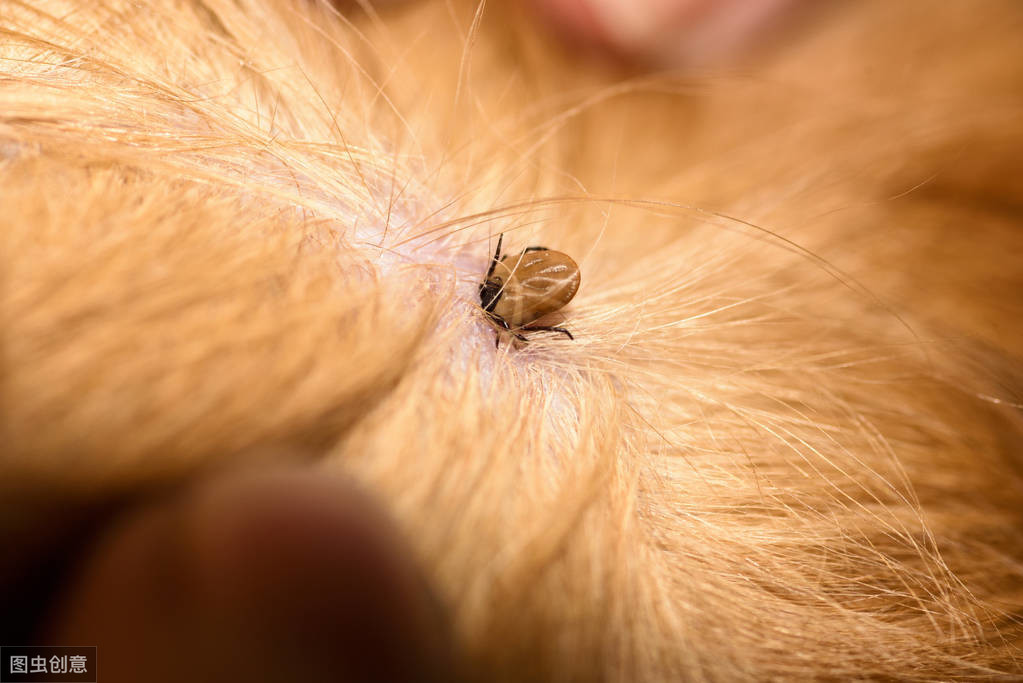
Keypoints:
(786, 443)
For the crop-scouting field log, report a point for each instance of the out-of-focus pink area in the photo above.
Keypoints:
(669, 32)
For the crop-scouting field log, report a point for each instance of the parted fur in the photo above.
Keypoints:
(785, 443)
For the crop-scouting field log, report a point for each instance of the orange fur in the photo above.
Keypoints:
(786, 442)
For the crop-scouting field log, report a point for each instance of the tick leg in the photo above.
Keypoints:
(504, 324)
(546, 328)
(513, 333)
(497, 257)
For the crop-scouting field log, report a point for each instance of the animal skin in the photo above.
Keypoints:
(785, 443)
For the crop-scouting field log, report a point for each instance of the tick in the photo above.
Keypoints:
(519, 289)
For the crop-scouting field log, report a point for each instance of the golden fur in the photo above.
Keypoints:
(786, 441)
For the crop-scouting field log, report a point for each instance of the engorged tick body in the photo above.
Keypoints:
(521, 288)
